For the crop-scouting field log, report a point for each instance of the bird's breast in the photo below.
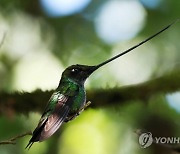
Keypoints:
(78, 101)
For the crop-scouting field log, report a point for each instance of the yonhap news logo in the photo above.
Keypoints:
(146, 139)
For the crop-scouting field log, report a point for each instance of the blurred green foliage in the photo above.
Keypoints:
(34, 38)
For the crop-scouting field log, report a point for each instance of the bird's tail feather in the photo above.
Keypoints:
(36, 135)
(29, 145)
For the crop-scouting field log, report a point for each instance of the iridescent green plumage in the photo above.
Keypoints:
(76, 91)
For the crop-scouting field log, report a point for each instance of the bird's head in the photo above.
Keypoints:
(78, 73)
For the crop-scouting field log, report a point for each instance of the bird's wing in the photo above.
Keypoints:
(55, 113)
(55, 119)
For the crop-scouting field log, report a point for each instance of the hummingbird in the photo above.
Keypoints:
(69, 99)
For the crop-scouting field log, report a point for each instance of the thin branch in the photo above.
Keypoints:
(13, 140)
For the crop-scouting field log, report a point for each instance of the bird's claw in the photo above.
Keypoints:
(84, 107)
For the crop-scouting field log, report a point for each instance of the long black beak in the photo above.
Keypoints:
(90, 70)
(132, 48)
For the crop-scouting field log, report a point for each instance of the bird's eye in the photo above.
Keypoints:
(74, 70)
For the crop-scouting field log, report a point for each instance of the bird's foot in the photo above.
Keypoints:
(87, 104)
(84, 107)
(69, 118)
